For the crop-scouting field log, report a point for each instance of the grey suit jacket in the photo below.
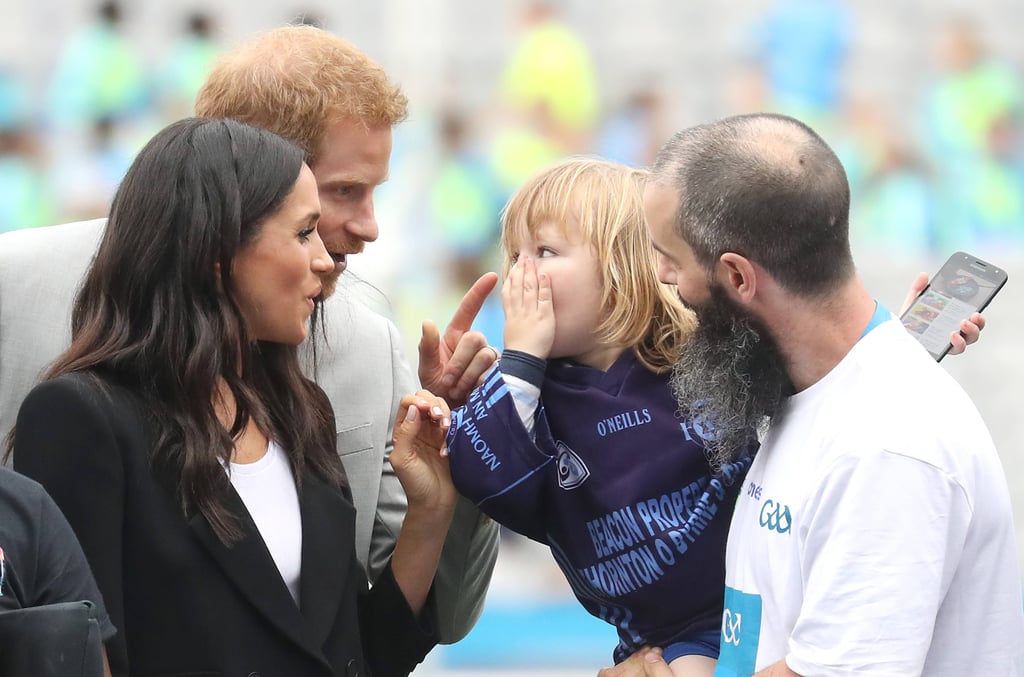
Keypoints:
(360, 365)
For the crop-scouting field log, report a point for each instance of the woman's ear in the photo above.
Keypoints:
(739, 277)
(217, 275)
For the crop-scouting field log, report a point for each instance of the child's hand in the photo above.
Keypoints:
(529, 315)
(420, 457)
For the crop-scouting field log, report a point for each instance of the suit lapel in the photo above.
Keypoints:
(328, 540)
(250, 568)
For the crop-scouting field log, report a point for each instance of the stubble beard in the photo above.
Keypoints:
(730, 376)
(349, 247)
(330, 282)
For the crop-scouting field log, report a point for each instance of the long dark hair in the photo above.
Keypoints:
(157, 311)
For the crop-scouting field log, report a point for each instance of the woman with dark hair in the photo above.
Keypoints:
(193, 459)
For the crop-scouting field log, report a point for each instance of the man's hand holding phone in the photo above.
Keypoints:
(944, 313)
(970, 329)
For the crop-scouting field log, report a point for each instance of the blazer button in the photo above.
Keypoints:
(253, 674)
(352, 669)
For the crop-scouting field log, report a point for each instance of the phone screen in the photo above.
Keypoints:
(963, 285)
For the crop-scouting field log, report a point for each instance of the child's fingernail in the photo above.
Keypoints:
(411, 414)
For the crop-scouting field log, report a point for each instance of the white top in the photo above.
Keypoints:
(874, 533)
(267, 488)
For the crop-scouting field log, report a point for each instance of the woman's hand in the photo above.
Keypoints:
(420, 460)
(420, 457)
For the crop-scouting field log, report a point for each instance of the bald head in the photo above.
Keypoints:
(767, 187)
(296, 80)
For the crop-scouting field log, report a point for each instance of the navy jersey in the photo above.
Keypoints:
(616, 484)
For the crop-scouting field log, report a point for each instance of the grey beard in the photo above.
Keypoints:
(730, 378)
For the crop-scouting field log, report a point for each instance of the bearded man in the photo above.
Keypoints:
(868, 540)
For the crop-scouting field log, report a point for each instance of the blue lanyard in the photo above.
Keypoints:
(881, 315)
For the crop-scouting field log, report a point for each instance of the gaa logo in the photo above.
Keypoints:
(732, 623)
(775, 517)
(572, 471)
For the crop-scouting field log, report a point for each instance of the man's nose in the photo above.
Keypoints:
(363, 224)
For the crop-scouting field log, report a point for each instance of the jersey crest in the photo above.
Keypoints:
(572, 471)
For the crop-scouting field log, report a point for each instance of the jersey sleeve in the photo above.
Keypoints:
(494, 460)
(878, 557)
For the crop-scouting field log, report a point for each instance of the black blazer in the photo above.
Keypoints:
(183, 603)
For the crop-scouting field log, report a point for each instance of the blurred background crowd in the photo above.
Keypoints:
(922, 99)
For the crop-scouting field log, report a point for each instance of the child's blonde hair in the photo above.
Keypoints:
(606, 199)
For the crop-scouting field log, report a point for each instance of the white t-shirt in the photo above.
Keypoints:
(267, 488)
(874, 533)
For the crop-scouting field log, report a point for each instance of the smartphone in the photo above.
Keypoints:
(965, 284)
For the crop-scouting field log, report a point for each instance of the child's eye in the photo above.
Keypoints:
(305, 233)
(544, 252)
(513, 258)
